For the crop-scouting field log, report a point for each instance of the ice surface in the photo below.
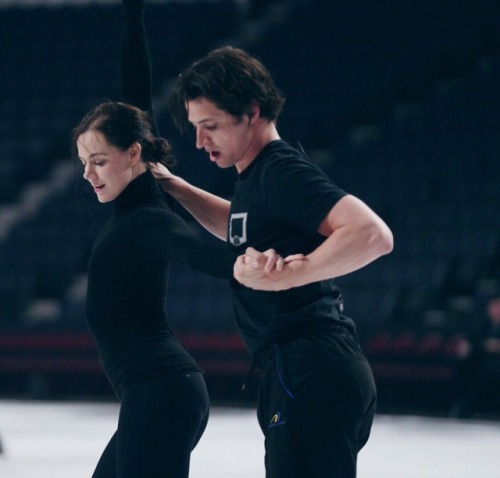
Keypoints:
(65, 440)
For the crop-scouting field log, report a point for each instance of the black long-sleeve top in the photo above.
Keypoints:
(127, 284)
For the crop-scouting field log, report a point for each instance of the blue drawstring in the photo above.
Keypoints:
(280, 374)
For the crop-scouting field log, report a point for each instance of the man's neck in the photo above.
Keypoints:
(266, 133)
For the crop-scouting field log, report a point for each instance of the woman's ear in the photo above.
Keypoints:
(135, 152)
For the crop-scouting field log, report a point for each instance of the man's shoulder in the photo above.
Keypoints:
(280, 152)
(280, 149)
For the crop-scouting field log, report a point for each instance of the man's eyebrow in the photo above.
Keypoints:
(204, 120)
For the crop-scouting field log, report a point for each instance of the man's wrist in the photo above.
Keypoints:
(168, 184)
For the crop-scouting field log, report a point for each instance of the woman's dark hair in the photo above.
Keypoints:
(123, 125)
(233, 80)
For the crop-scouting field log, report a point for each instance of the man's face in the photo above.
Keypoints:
(229, 140)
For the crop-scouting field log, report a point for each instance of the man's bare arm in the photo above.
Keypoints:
(211, 211)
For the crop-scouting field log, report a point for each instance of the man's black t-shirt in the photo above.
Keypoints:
(279, 202)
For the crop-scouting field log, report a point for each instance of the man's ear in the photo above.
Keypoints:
(254, 112)
(134, 153)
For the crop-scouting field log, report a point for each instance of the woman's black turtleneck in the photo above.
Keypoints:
(127, 284)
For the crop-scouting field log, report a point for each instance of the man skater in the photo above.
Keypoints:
(317, 395)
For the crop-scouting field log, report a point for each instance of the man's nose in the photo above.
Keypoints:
(200, 138)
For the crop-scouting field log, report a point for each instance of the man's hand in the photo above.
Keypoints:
(265, 270)
(160, 171)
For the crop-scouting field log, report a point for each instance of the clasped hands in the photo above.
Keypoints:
(267, 270)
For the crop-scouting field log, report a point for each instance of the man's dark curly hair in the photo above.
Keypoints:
(230, 78)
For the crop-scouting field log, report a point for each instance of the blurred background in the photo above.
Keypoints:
(398, 101)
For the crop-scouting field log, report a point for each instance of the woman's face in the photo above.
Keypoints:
(107, 168)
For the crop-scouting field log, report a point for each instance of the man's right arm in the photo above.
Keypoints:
(211, 211)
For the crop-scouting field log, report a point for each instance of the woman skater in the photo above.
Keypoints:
(164, 403)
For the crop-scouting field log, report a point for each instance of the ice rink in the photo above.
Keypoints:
(64, 440)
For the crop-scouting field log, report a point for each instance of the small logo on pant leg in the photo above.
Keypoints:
(276, 420)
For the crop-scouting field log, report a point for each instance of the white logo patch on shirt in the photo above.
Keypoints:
(238, 228)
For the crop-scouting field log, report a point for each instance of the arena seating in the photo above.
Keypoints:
(403, 99)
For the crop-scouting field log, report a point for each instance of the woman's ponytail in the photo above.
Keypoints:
(157, 150)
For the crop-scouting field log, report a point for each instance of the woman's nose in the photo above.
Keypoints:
(87, 172)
